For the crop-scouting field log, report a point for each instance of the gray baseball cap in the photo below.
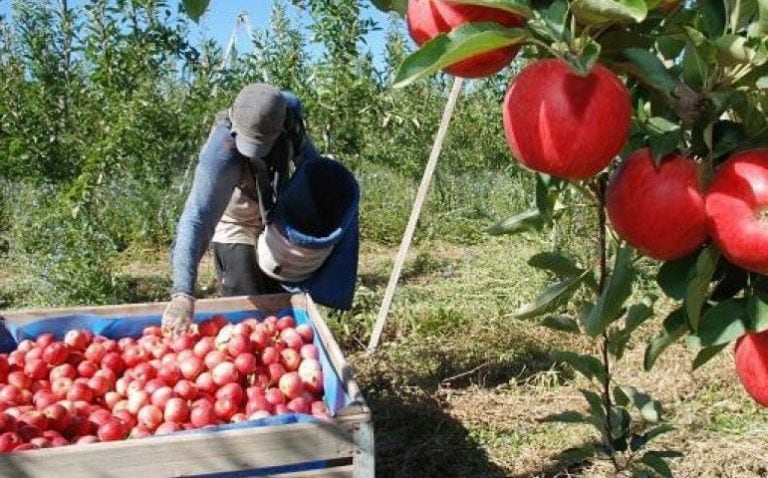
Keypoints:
(257, 115)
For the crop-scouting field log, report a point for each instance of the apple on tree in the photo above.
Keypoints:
(563, 124)
(658, 210)
(428, 18)
(737, 210)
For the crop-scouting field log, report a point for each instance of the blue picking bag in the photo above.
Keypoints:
(319, 207)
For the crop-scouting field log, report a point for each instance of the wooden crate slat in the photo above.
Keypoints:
(193, 454)
(268, 303)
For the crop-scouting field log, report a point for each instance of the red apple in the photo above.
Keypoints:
(246, 363)
(224, 373)
(150, 417)
(161, 396)
(191, 367)
(176, 410)
(290, 359)
(270, 355)
(309, 351)
(428, 18)
(9, 441)
(752, 365)
(231, 391)
(292, 338)
(87, 369)
(224, 409)
(202, 415)
(56, 353)
(77, 339)
(563, 124)
(205, 383)
(168, 427)
(736, 205)
(659, 211)
(46, 339)
(291, 385)
(306, 333)
(186, 390)
(203, 346)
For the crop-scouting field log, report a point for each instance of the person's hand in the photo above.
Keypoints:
(177, 317)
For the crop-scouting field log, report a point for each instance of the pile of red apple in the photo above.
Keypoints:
(88, 388)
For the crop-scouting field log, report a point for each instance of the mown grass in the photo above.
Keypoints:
(458, 387)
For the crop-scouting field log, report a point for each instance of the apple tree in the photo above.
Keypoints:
(652, 113)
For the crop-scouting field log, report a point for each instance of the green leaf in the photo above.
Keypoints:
(592, 12)
(757, 312)
(561, 323)
(399, 6)
(673, 276)
(674, 327)
(697, 290)
(558, 264)
(596, 408)
(649, 408)
(620, 424)
(713, 17)
(659, 430)
(618, 342)
(556, 14)
(707, 354)
(587, 365)
(583, 63)
(616, 292)
(619, 397)
(670, 46)
(551, 298)
(460, 44)
(548, 189)
(195, 8)
(696, 69)
(721, 324)
(662, 144)
(638, 313)
(578, 454)
(522, 222)
(657, 463)
(641, 473)
(762, 22)
(518, 7)
(652, 71)
(569, 416)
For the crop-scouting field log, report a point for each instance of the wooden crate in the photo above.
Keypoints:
(342, 447)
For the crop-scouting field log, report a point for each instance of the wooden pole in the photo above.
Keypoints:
(421, 196)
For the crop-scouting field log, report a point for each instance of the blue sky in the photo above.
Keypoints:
(219, 21)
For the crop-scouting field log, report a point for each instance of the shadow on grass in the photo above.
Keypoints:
(416, 438)
(561, 465)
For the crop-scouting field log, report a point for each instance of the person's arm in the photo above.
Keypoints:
(216, 176)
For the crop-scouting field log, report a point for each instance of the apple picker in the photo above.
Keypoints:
(270, 230)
